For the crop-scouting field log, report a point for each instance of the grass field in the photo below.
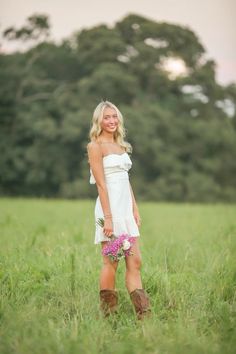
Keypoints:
(49, 270)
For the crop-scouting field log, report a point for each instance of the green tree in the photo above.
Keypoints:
(182, 127)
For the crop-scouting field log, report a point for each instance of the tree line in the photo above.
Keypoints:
(181, 123)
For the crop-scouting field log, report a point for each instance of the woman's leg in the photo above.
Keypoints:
(138, 295)
(133, 266)
(108, 294)
(108, 272)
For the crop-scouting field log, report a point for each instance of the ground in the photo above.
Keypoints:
(49, 269)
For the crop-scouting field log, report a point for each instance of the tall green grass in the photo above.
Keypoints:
(49, 271)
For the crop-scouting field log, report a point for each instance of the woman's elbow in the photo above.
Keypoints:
(101, 186)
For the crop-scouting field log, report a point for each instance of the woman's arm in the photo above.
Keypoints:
(96, 165)
(135, 207)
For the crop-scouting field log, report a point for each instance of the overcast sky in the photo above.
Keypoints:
(212, 20)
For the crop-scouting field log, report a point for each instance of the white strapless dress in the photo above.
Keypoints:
(116, 167)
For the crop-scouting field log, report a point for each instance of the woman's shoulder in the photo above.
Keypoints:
(94, 147)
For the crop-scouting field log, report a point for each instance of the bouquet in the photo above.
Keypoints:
(118, 247)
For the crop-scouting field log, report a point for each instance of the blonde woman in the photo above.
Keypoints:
(109, 165)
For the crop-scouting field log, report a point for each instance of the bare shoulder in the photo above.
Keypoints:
(93, 145)
(94, 149)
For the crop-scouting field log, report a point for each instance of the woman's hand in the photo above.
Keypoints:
(137, 216)
(108, 227)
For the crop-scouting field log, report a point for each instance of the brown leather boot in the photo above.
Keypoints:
(108, 301)
(141, 303)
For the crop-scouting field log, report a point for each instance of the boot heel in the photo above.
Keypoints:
(108, 301)
(141, 303)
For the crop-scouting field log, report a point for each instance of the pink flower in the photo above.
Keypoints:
(118, 247)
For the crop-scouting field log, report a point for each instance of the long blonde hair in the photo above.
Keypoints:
(119, 134)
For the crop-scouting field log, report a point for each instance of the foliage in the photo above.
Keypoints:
(182, 128)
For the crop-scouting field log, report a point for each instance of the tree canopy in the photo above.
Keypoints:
(181, 124)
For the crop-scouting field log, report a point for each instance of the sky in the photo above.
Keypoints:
(213, 21)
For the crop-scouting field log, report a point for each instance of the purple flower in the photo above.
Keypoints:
(119, 247)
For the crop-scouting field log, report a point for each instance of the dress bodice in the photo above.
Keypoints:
(114, 164)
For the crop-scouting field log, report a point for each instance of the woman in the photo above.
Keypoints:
(109, 165)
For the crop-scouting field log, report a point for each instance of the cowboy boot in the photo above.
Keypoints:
(108, 301)
(141, 303)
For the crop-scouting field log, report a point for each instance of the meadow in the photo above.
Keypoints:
(49, 271)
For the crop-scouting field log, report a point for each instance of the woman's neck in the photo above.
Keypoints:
(106, 137)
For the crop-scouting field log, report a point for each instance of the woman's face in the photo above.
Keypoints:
(110, 120)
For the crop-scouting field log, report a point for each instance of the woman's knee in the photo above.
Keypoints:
(138, 261)
(135, 263)
(107, 263)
